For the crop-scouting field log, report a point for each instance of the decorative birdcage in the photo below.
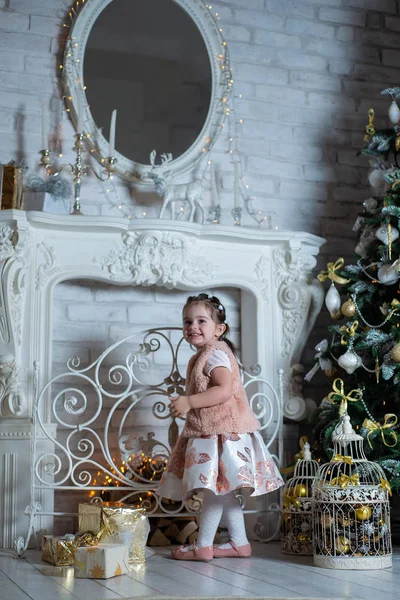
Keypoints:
(351, 513)
(296, 521)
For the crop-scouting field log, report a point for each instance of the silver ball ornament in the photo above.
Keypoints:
(370, 204)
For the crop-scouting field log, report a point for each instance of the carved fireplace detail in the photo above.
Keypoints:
(279, 299)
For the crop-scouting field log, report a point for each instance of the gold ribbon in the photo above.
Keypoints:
(288, 500)
(389, 230)
(331, 272)
(349, 331)
(344, 480)
(385, 485)
(390, 420)
(339, 458)
(338, 390)
(71, 547)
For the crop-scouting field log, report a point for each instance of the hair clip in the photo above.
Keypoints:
(220, 307)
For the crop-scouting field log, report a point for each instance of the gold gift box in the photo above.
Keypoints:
(10, 187)
(57, 551)
(102, 561)
(90, 516)
(117, 523)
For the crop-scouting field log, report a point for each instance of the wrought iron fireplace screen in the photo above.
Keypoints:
(91, 424)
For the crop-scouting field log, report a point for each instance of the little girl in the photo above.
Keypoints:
(219, 450)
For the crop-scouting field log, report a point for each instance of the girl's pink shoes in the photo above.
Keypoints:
(205, 554)
(234, 552)
(209, 552)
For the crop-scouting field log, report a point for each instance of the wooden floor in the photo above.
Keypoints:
(267, 573)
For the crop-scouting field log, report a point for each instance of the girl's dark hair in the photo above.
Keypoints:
(217, 312)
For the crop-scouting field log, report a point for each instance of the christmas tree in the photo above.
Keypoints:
(362, 357)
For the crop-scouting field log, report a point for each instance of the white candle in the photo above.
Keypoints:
(214, 191)
(61, 129)
(45, 131)
(236, 185)
(111, 148)
(79, 110)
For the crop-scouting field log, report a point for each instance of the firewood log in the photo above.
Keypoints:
(186, 532)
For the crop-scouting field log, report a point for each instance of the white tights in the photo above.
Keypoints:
(213, 507)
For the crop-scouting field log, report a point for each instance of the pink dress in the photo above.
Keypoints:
(222, 462)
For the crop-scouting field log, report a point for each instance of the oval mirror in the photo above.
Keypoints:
(158, 63)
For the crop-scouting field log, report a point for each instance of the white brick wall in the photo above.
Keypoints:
(309, 70)
(89, 316)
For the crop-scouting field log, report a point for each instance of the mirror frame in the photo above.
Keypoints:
(221, 88)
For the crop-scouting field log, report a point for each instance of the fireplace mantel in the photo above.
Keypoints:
(280, 299)
(279, 304)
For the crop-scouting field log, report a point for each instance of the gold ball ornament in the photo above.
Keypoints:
(395, 353)
(342, 544)
(337, 316)
(348, 308)
(301, 490)
(303, 536)
(330, 372)
(363, 513)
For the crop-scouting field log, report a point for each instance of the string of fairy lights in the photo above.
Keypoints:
(227, 120)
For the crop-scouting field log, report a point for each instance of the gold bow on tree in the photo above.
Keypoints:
(390, 420)
(338, 391)
(339, 458)
(330, 273)
(385, 485)
(344, 480)
(348, 331)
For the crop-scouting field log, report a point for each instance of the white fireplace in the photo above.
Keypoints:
(269, 273)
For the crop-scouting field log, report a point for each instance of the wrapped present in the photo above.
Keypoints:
(118, 524)
(10, 186)
(58, 551)
(102, 561)
(45, 202)
(90, 517)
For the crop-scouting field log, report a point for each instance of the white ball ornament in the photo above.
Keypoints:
(388, 275)
(350, 361)
(382, 233)
(333, 302)
(394, 113)
(376, 180)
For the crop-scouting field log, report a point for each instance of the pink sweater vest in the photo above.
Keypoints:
(232, 416)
